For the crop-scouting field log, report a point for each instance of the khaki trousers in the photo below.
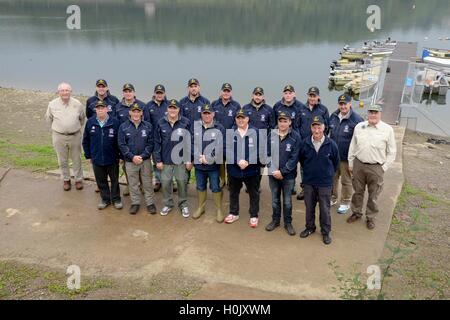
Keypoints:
(346, 182)
(65, 146)
(141, 173)
(370, 175)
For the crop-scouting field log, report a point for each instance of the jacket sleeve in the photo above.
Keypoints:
(146, 113)
(391, 150)
(149, 144)
(124, 149)
(291, 164)
(87, 143)
(352, 149)
(301, 153)
(49, 115)
(194, 152)
(326, 118)
(116, 142)
(88, 110)
(335, 157)
(273, 121)
(82, 115)
(157, 145)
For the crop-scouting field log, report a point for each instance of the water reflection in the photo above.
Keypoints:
(247, 43)
(244, 24)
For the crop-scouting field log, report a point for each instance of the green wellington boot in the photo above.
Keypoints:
(218, 203)
(201, 204)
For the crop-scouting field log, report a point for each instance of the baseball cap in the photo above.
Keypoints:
(128, 86)
(314, 90)
(258, 90)
(101, 82)
(317, 120)
(159, 88)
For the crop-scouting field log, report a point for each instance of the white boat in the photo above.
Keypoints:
(361, 85)
(442, 62)
(343, 79)
(366, 52)
(439, 53)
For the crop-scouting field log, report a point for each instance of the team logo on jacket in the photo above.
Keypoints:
(144, 133)
(293, 114)
(230, 113)
(346, 129)
(288, 147)
(263, 117)
(199, 109)
(109, 108)
(93, 129)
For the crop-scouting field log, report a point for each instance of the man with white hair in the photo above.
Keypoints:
(67, 116)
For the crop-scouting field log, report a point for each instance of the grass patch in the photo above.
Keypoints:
(405, 272)
(425, 199)
(20, 281)
(60, 287)
(14, 279)
(35, 157)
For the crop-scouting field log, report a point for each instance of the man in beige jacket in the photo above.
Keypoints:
(67, 116)
(372, 151)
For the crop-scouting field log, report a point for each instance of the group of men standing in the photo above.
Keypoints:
(223, 141)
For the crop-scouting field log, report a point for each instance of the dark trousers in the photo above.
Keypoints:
(101, 176)
(322, 195)
(252, 185)
(284, 186)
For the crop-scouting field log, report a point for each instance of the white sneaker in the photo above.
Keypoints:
(165, 211)
(185, 212)
(253, 222)
(231, 218)
(343, 208)
(333, 202)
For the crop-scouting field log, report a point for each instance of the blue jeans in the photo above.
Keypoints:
(202, 176)
(278, 186)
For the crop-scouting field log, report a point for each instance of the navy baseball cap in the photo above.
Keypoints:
(207, 109)
(283, 115)
(101, 103)
(128, 86)
(344, 98)
(317, 120)
(258, 90)
(159, 88)
(227, 86)
(314, 90)
(193, 81)
(101, 82)
(173, 103)
(289, 88)
(242, 114)
(135, 106)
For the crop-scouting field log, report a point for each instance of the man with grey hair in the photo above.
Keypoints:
(372, 151)
(67, 116)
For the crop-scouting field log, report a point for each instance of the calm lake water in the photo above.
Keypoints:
(247, 43)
